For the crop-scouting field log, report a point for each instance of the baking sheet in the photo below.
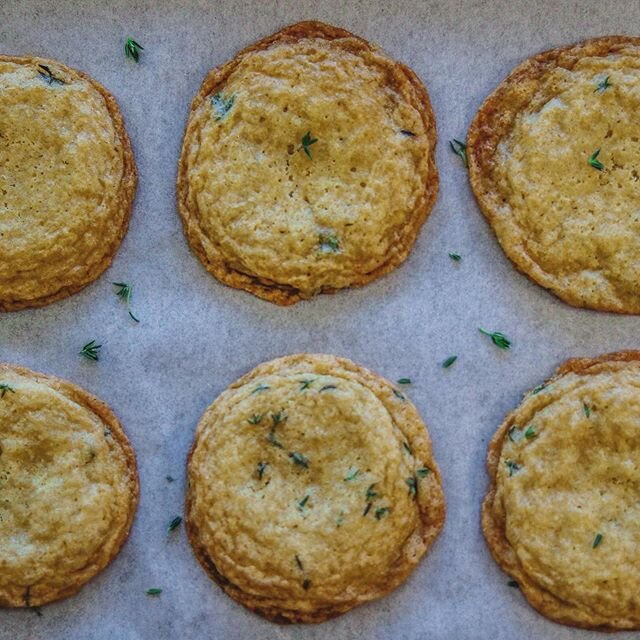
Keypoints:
(197, 336)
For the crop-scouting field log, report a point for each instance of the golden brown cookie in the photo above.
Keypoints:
(68, 487)
(553, 162)
(562, 514)
(67, 181)
(308, 165)
(312, 488)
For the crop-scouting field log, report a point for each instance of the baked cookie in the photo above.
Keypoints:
(68, 487)
(67, 181)
(307, 165)
(553, 161)
(562, 514)
(312, 488)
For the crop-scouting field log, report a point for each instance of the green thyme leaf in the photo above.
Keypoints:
(512, 433)
(370, 493)
(255, 418)
(513, 584)
(132, 49)
(455, 256)
(407, 448)
(271, 439)
(154, 591)
(406, 132)
(460, 149)
(303, 502)
(124, 292)
(91, 351)
(381, 512)
(307, 141)
(594, 162)
(328, 387)
(512, 466)
(306, 583)
(585, 407)
(260, 388)
(404, 380)
(449, 361)
(499, 339)
(305, 384)
(170, 478)
(174, 524)
(328, 243)
(603, 85)
(4, 387)
(398, 394)
(260, 469)
(530, 433)
(299, 459)
(597, 540)
(299, 562)
(423, 472)
(352, 474)
(278, 418)
(413, 485)
(538, 389)
(45, 73)
(221, 105)
(367, 509)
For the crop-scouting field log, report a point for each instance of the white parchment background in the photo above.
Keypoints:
(196, 336)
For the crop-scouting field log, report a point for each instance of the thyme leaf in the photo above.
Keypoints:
(597, 540)
(174, 524)
(381, 512)
(460, 149)
(132, 49)
(328, 243)
(221, 105)
(499, 339)
(4, 387)
(91, 351)
(48, 76)
(303, 502)
(603, 85)
(307, 141)
(423, 472)
(299, 459)
(449, 361)
(412, 482)
(352, 475)
(256, 418)
(154, 591)
(456, 257)
(530, 433)
(594, 162)
(260, 469)
(512, 466)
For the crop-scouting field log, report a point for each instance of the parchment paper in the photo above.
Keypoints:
(197, 336)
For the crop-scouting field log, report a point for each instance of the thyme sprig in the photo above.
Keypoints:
(132, 49)
(4, 387)
(460, 149)
(221, 105)
(594, 162)
(91, 351)
(48, 76)
(307, 141)
(124, 292)
(603, 85)
(499, 339)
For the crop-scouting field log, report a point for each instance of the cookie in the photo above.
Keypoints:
(68, 487)
(307, 165)
(553, 164)
(312, 488)
(562, 515)
(67, 181)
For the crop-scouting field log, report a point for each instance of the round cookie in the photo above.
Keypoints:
(308, 165)
(68, 487)
(553, 156)
(67, 181)
(312, 488)
(562, 515)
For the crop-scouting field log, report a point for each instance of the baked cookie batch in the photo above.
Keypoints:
(308, 166)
